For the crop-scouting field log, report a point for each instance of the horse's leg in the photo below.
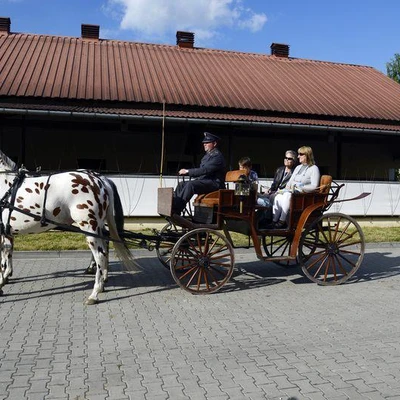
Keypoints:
(6, 257)
(99, 251)
(91, 269)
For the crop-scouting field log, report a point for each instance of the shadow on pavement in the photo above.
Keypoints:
(247, 275)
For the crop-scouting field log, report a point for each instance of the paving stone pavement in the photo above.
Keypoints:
(269, 334)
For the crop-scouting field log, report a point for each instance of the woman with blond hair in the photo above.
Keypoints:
(305, 178)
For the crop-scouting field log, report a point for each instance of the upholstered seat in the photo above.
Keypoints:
(212, 199)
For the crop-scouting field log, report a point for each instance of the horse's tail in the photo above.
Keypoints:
(115, 222)
(118, 210)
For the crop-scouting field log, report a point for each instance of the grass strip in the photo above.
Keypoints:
(57, 241)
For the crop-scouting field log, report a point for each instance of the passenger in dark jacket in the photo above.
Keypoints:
(210, 175)
(281, 178)
(283, 174)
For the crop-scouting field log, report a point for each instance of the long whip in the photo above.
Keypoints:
(162, 143)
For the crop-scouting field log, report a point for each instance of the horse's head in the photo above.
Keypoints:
(6, 164)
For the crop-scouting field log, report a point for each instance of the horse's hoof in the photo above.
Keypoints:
(6, 279)
(90, 302)
(1, 292)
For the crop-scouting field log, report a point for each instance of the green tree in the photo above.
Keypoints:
(393, 68)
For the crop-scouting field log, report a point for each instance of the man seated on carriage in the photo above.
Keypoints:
(209, 177)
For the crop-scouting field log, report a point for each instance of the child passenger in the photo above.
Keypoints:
(245, 164)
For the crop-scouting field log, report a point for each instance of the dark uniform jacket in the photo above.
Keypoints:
(212, 166)
(280, 180)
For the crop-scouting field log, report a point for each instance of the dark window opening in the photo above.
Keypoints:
(94, 164)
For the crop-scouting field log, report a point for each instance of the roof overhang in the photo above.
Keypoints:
(203, 117)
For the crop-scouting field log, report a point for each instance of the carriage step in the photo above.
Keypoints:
(280, 258)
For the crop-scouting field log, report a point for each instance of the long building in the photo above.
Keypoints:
(87, 102)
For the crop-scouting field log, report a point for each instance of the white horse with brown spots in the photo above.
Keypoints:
(34, 204)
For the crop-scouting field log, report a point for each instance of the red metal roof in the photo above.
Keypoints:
(59, 68)
(100, 112)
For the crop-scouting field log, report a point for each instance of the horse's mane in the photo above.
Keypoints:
(6, 163)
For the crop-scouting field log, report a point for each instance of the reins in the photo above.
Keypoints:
(12, 193)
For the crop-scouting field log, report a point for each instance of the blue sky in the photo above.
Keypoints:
(353, 31)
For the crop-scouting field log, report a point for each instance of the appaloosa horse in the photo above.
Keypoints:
(33, 204)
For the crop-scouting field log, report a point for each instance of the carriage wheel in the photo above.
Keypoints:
(202, 261)
(164, 248)
(279, 246)
(331, 249)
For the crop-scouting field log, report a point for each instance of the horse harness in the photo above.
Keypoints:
(8, 201)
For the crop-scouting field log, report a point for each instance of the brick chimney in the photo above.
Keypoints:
(90, 31)
(280, 50)
(5, 24)
(185, 39)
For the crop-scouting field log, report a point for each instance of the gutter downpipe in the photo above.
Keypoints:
(84, 115)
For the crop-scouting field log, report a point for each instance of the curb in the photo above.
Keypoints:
(86, 253)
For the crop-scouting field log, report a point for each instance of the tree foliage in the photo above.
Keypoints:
(393, 68)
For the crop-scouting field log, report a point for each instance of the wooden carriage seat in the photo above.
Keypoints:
(212, 199)
(325, 184)
(300, 201)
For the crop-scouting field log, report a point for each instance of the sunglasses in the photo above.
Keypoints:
(289, 158)
(301, 154)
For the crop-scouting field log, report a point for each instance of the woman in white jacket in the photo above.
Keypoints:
(305, 178)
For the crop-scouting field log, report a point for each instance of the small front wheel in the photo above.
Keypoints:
(169, 235)
(202, 261)
(331, 249)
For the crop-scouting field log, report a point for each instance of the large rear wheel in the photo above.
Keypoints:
(331, 249)
(202, 261)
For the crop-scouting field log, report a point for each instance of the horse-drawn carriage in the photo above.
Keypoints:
(199, 250)
(329, 247)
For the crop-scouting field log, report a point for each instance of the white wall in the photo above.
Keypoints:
(139, 196)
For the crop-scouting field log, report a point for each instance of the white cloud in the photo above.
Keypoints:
(156, 19)
(254, 23)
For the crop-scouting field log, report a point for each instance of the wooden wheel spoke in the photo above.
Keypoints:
(193, 247)
(355, 253)
(280, 244)
(341, 267)
(344, 244)
(322, 232)
(219, 257)
(344, 231)
(217, 282)
(191, 278)
(317, 253)
(321, 259)
(199, 278)
(218, 250)
(195, 269)
(327, 268)
(347, 260)
(218, 270)
(185, 266)
(206, 279)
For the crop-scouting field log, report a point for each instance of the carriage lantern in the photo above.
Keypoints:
(242, 189)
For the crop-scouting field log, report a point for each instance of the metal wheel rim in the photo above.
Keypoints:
(332, 249)
(164, 248)
(202, 261)
(279, 246)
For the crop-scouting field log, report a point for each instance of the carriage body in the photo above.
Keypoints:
(329, 247)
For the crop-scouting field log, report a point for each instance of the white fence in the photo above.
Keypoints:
(139, 196)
